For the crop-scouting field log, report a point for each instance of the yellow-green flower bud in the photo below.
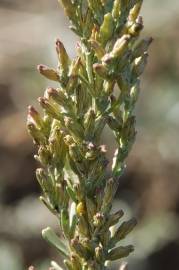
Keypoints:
(59, 97)
(63, 59)
(80, 209)
(113, 219)
(120, 46)
(116, 11)
(134, 12)
(99, 254)
(106, 29)
(101, 70)
(82, 101)
(70, 9)
(99, 50)
(108, 194)
(75, 128)
(35, 117)
(74, 67)
(49, 73)
(49, 108)
(89, 124)
(136, 27)
(139, 64)
(79, 192)
(37, 135)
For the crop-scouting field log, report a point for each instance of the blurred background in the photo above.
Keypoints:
(149, 188)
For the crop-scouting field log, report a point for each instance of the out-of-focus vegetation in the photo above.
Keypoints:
(149, 188)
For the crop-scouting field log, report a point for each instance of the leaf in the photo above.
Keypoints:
(50, 236)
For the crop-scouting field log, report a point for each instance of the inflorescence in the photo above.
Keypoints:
(98, 88)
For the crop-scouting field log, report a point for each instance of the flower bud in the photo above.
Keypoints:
(35, 117)
(75, 128)
(79, 248)
(50, 109)
(89, 124)
(113, 219)
(134, 92)
(63, 60)
(70, 9)
(116, 11)
(114, 124)
(74, 67)
(119, 252)
(44, 156)
(88, 245)
(82, 101)
(134, 12)
(106, 29)
(79, 192)
(139, 64)
(80, 209)
(108, 194)
(99, 51)
(58, 96)
(49, 73)
(136, 27)
(101, 70)
(120, 46)
(72, 84)
(57, 146)
(37, 135)
(99, 254)
(98, 220)
(124, 229)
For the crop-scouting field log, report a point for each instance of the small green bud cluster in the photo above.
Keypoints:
(77, 184)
